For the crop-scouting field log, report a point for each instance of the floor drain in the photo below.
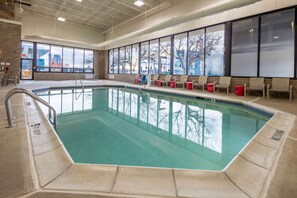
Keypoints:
(277, 135)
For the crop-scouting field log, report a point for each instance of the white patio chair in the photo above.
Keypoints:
(255, 84)
(224, 83)
(167, 79)
(280, 85)
(155, 79)
(182, 80)
(200, 82)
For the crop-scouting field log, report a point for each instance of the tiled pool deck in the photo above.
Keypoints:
(36, 163)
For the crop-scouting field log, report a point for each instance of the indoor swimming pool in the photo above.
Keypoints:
(122, 126)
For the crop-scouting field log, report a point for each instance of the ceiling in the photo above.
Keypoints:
(100, 14)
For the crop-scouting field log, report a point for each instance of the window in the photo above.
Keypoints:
(110, 61)
(56, 58)
(89, 61)
(277, 44)
(135, 58)
(128, 60)
(67, 59)
(214, 51)
(180, 54)
(154, 57)
(78, 60)
(196, 52)
(116, 61)
(244, 47)
(27, 50)
(165, 55)
(122, 61)
(42, 55)
(144, 58)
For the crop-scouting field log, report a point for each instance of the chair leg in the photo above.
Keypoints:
(227, 90)
(263, 93)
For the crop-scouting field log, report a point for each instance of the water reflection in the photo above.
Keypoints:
(202, 124)
(68, 101)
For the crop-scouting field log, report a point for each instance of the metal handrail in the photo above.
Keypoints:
(29, 93)
(78, 78)
(82, 85)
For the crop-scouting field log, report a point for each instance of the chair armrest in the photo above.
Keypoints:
(291, 88)
(245, 85)
(215, 82)
(193, 81)
(268, 87)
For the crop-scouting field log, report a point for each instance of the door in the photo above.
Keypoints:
(26, 69)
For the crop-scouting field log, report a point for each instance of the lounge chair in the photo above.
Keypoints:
(224, 83)
(182, 80)
(155, 79)
(167, 79)
(255, 84)
(2, 78)
(12, 78)
(201, 81)
(280, 85)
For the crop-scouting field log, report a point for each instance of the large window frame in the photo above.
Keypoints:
(227, 67)
(62, 69)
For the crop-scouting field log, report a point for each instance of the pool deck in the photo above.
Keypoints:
(34, 162)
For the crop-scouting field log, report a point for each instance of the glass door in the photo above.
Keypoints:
(26, 69)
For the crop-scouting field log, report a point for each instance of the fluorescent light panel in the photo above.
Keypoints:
(61, 19)
(139, 3)
(78, 0)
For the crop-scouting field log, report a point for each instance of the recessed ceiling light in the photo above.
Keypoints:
(78, 0)
(61, 19)
(275, 37)
(139, 3)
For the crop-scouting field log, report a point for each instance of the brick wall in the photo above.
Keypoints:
(99, 68)
(10, 46)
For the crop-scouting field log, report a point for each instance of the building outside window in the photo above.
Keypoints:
(214, 51)
(244, 55)
(128, 60)
(277, 44)
(122, 61)
(116, 61)
(27, 50)
(89, 61)
(154, 57)
(56, 58)
(135, 58)
(68, 59)
(27, 60)
(144, 48)
(180, 54)
(165, 55)
(110, 61)
(78, 60)
(196, 52)
(43, 57)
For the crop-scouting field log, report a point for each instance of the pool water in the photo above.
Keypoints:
(136, 128)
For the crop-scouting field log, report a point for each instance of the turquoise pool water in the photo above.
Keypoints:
(129, 127)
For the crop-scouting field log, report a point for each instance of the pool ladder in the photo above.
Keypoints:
(32, 95)
(77, 78)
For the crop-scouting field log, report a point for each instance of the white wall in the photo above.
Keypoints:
(41, 29)
(183, 8)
